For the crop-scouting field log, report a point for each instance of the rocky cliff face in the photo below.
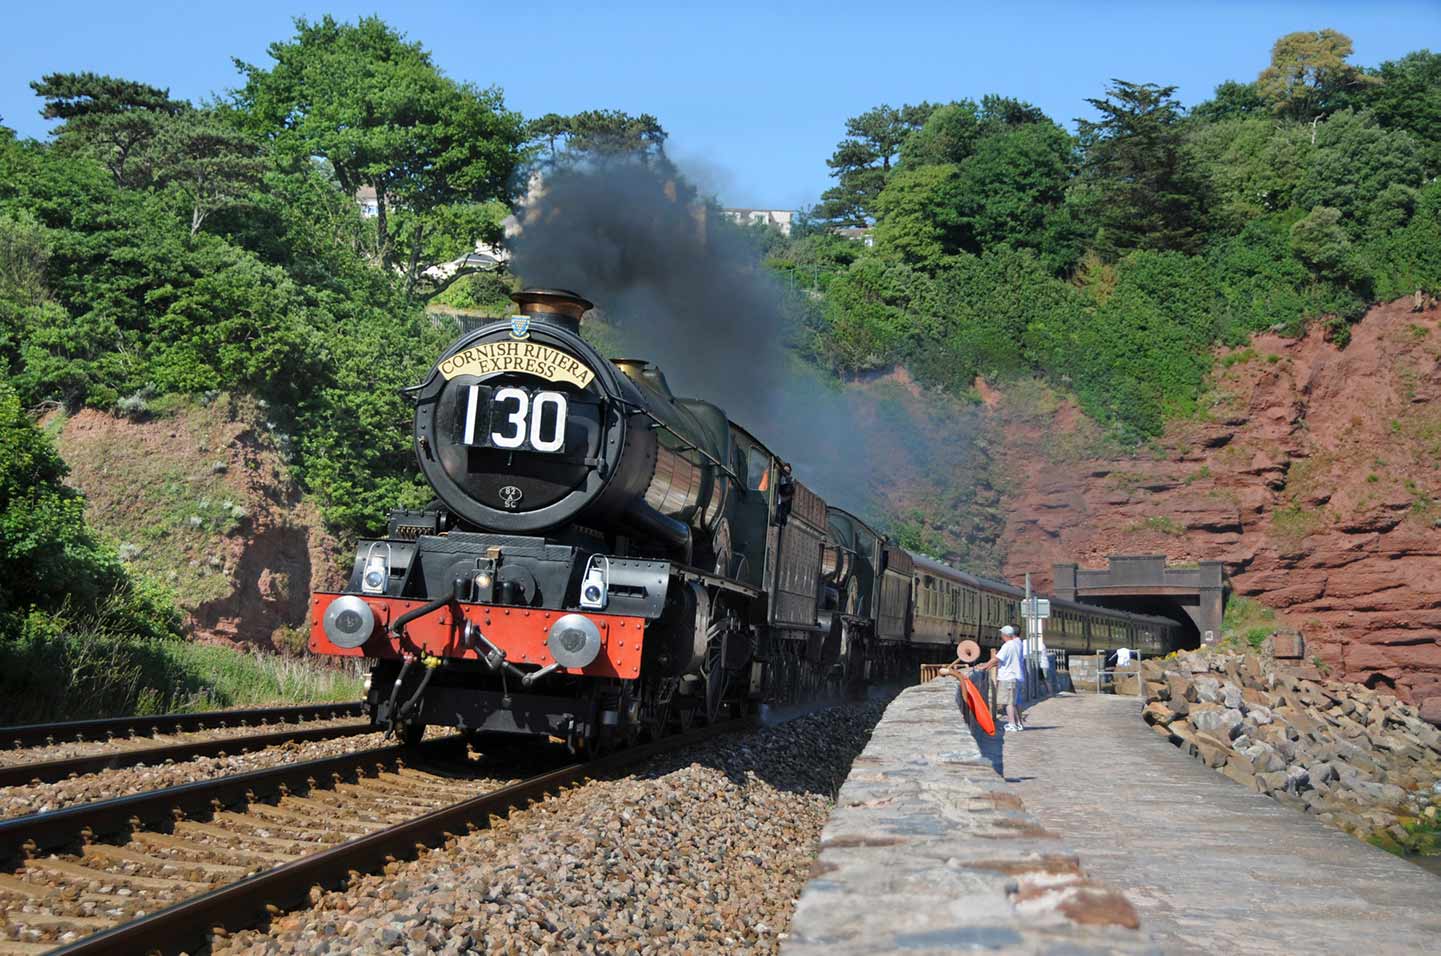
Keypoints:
(197, 496)
(1313, 472)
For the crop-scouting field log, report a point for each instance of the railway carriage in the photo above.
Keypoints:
(605, 559)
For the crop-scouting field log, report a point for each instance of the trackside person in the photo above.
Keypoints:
(1009, 675)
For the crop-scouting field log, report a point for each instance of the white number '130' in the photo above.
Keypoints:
(528, 418)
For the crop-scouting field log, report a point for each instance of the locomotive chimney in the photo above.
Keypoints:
(556, 306)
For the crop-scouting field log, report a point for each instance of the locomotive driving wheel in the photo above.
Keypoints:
(728, 647)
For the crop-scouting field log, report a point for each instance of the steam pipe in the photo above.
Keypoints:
(643, 517)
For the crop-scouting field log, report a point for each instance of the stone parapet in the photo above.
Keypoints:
(929, 851)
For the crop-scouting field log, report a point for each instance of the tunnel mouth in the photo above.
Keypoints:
(1156, 605)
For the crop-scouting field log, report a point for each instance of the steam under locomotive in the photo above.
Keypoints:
(605, 559)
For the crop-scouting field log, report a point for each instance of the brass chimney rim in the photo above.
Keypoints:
(562, 302)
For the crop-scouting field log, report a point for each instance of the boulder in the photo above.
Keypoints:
(1384, 793)
(1430, 710)
(1231, 696)
(1255, 697)
(1207, 690)
(1211, 755)
(1157, 713)
(1259, 715)
(1239, 771)
(1223, 722)
(1262, 758)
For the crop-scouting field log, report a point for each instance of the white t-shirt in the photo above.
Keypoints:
(1010, 655)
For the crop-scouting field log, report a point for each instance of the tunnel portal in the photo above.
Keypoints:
(1194, 597)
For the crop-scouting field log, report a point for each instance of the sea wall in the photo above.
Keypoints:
(928, 850)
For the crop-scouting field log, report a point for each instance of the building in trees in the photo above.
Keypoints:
(778, 219)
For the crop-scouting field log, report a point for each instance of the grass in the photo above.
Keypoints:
(1293, 522)
(1247, 622)
(1158, 523)
(1238, 358)
(230, 677)
(74, 665)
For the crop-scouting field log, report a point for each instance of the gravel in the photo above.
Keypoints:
(37, 798)
(700, 852)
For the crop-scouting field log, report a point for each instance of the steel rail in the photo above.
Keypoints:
(251, 901)
(51, 770)
(37, 832)
(22, 735)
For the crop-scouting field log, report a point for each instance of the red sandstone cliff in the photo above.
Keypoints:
(198, 497)
(1314, 473)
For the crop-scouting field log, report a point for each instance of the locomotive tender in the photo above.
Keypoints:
(605, 559)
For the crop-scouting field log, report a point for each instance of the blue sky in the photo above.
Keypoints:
(755, 95)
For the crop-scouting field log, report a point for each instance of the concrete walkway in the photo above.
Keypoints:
(1211, 866)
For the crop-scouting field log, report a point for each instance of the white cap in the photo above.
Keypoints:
(1008, 631)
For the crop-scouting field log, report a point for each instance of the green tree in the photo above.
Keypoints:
(949, 135)
(862, 161)
(598, 133)
(49, 553)
(1369, 173)
(864, 321)
(1014, 184)
(1261, 283)
(1232, 100)
(1408, 260)
(1319, 240)
(951, 132)
(918, 214)
(381, 113)
(207, 160)
(1151, 192)
(1254, 165)
(111, 118)
(1145, 354)
(1309, 76)
(1408, 97)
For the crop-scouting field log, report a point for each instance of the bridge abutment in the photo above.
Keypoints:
(1193, 596)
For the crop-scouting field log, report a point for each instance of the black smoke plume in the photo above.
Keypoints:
(685, 288)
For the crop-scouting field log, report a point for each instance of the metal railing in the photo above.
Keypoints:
(1097, 678)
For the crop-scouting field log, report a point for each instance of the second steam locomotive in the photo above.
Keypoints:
(604, 559)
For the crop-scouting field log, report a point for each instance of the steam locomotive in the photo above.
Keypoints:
(605, 560)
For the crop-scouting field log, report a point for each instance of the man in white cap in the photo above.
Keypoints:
(1008, 678)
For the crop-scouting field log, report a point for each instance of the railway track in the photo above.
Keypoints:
(160, 871)
(48, 771)
(31, 735)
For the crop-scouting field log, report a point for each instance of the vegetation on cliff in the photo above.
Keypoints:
(1111, 261)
